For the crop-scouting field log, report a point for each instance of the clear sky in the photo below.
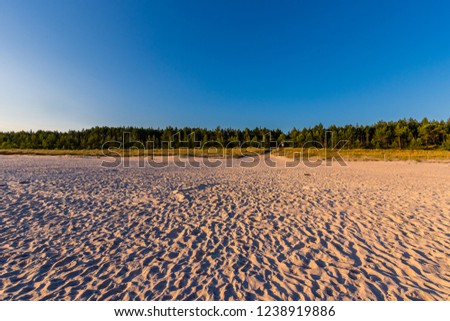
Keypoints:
(279, 64)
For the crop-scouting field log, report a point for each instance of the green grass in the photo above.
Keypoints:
(347, 154)
(211, 152)
(368, 154)
(52, 152)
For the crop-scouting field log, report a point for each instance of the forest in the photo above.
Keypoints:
(401, 134)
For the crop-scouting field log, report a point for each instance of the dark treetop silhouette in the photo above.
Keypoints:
(401, 134)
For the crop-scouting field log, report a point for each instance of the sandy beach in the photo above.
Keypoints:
(73, 230)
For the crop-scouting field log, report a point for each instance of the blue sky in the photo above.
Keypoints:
(279, 64)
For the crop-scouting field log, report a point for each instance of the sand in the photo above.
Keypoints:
(72, 230)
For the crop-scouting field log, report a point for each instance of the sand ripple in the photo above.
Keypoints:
(71, 230)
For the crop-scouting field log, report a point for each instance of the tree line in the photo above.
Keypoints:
(401, 134)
